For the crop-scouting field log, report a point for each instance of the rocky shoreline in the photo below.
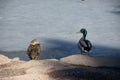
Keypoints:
(53, 69)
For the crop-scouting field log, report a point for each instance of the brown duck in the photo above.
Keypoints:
(34, 49)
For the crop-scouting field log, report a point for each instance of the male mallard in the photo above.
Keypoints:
(34, 49)
(84, 44)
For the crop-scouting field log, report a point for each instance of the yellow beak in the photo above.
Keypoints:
(78, 32)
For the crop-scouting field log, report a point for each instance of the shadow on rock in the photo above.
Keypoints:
(87, 74)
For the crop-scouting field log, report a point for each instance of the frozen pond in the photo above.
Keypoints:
(54, 23)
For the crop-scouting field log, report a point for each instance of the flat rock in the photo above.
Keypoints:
(93, 61)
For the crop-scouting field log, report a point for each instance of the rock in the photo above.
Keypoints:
(93, 61)
(4, 59)
(53, 69)
(16, 69)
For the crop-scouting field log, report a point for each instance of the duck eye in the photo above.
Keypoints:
(81, 30)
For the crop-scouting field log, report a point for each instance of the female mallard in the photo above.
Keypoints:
(84, 44)
(34, 49)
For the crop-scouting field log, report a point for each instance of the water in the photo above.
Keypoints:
(54, 24)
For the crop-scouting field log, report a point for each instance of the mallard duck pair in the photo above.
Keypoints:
(84, 45)
(34, 48)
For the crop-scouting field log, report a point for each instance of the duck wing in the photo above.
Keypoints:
(89, 45)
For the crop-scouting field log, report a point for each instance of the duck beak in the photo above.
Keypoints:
(78, 32)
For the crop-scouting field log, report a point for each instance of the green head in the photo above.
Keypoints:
(84, 31)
